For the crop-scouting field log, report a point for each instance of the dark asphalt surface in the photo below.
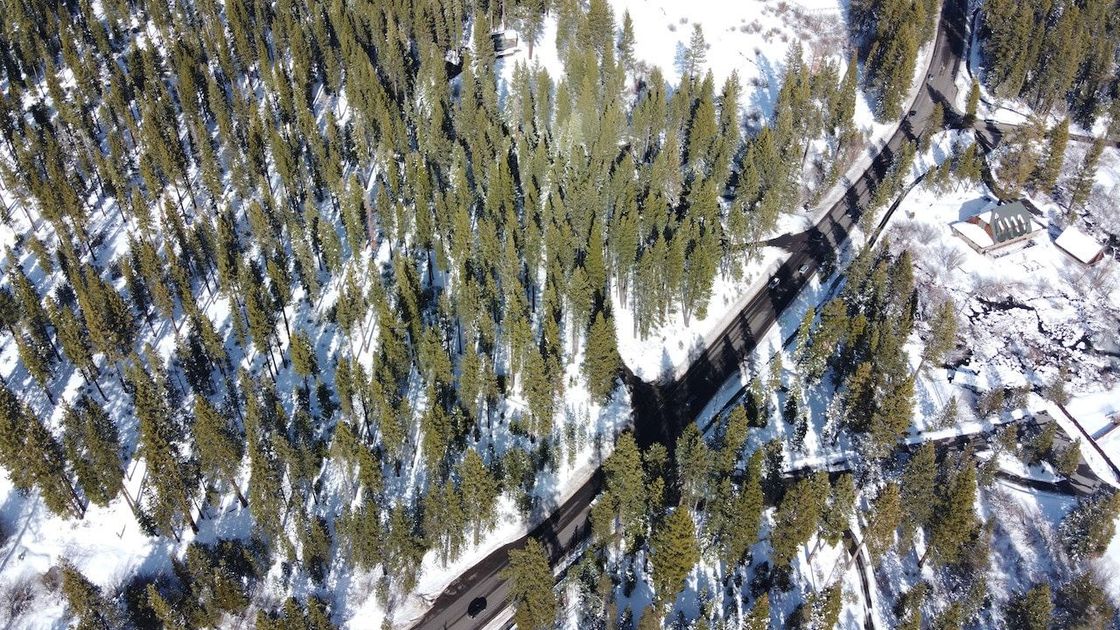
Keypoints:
(678, 402)
(990, 133)
(564, 528)
(661, 410)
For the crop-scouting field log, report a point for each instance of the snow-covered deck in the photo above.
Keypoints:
(973, 234)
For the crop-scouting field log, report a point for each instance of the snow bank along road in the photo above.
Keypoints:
(661, 410)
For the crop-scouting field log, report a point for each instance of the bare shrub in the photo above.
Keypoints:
(16, 598)
(948, 257)
(925, 232)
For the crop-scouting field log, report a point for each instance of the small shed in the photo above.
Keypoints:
(1080, 246)
(505, 42)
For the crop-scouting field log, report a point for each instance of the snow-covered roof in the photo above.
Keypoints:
(974, 233)
(1079, 245)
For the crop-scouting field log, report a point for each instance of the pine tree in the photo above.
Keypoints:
(599, 27)
(797, 518)
(13, 426)
(694, 462)
(601, 362)
(303, 357)
(93, 449)
(973, 102)
(744, 513)
(759, 616)
(1033, 610)
(1082, 185)
(730, 132)
(673, 552)
(732, 441)
(1047, 176)
(44, 461)
(819, 610)
(480, 491)
(943, 333)
(37, 362)
(626, 43)
(919, 486)
(1056, 389)
(827, 338)
(317, 549)
(702, 132)
(843, 108)
(697, 52)
(1088, 529)
(804, 330)
(893, 65)
(625, 483)
(531, 587)
(893, 415)
(969, 165)
(1069, 459)
(171, 477)
(884, 520)
(775, 382)
(358, 530)
(219, 448)
(169, 616)
(841, 502)
(955, 522)
(74, 340)
(934, 126)
(85, 600)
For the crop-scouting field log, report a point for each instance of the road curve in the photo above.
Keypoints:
(661, 410)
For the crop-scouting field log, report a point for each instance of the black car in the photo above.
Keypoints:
(913, 111)
(476, 606)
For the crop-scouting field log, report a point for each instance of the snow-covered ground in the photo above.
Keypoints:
(1061, 313)
(1098, 413)
(595, 427)
(751, 38)
(669, 348)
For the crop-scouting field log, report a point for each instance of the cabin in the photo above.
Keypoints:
(999, 228)
(1080, 246)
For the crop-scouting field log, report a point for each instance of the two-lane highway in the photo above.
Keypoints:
(562, 531)
(661, 410)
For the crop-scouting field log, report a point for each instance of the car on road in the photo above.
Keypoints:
(774, 282)
(912, 112)
(802, 269)
(929, 77)
(476, 606)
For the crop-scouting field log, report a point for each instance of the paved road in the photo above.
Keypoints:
(560, 532)
(990, 133)
(661, 410)
(678, 402)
